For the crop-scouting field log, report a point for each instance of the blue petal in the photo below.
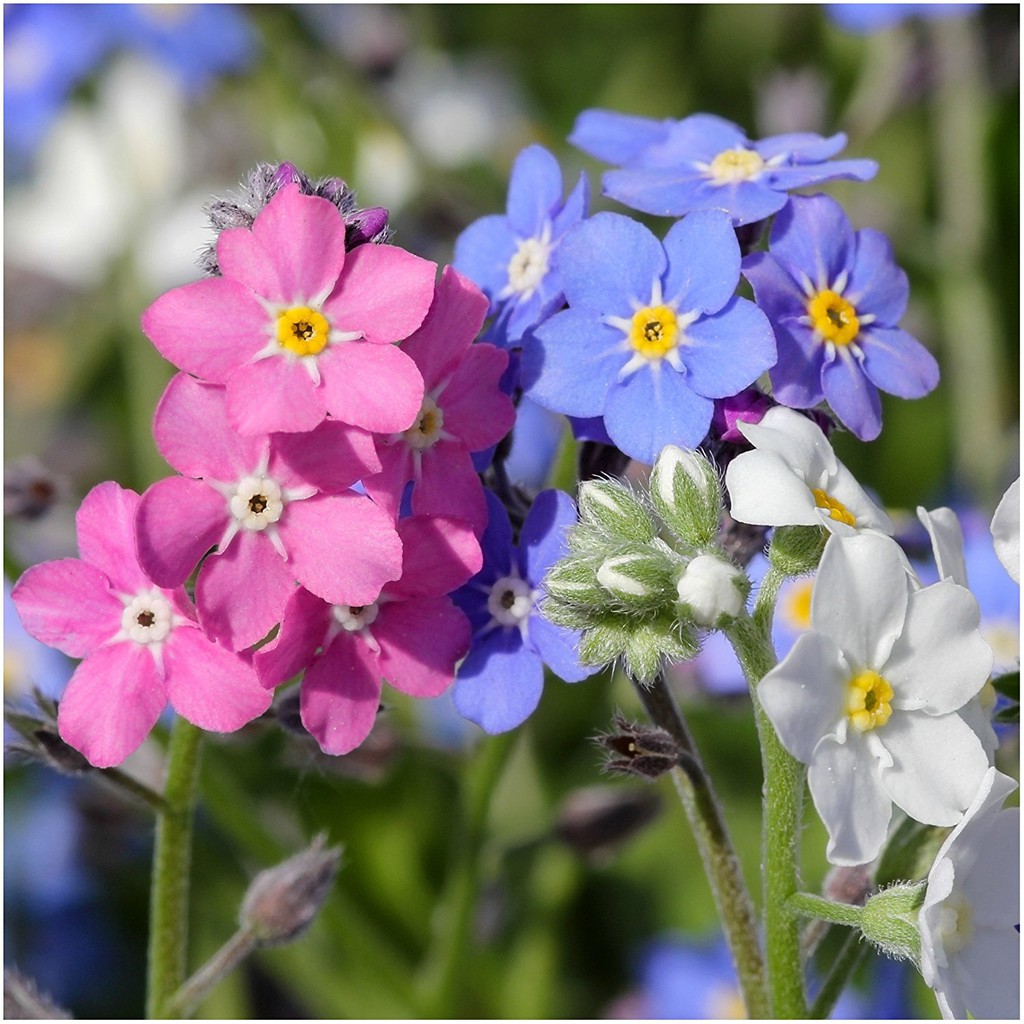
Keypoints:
(813, 174)
(729, 350)
(651, 409)
(559, 647)
(697, 138)
(590, 428)
(853, 398)
(535, 443)
(483, 252)
(774, 288)
(616, 138)
(571, 361)
(534, 190)
(877, 286)
(703, 262)
(898, 363)
(811, 235)
(575, 208)
(496, 542)
(796, 376)
(608, 263)
(500, 682)
(800, 147)
(542, 540)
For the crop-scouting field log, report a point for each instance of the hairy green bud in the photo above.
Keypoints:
(615, 508)
(574, 580)
(686, 495)
(639, 580)
(796, 550)
(889, 920)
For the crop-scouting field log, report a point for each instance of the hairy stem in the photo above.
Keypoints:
(218, 967)
(806, 904)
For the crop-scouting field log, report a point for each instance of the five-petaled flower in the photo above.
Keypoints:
(834, 297)
(140, 643)
(869, 697)
(704, 162)
(653, 333)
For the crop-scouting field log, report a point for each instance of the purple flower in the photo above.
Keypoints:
(653, 333)
(500, 682)
(705, 163)
(513, 257)
(834, 297)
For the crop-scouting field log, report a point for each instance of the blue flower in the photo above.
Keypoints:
(514, 257)
(500, 682)
(834, 297)
(653, 333)
(705, 163)
(867, 18)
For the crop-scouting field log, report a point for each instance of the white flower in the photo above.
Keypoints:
(712, 590)
(970, 948)
(793, 478)
(869, 697)
(1006, 530)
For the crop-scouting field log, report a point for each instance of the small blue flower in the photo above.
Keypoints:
(653, 333)
(706, 163)
(834, 297)
(500, 682)
(867, 18)
(514, 257)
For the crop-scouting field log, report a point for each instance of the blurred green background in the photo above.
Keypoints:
(423, 109)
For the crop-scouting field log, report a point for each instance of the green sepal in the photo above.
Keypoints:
(796, 550)
(889, 920)
(617, 510)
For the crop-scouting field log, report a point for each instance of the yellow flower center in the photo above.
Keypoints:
(302, 330)
(833, 317)
(797, 606)
(867, 701)
(655, 331)
(836, 509)
(733, 165)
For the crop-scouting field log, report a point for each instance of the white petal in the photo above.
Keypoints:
(979, 718)
(947, 543)
(1006, 530)
(843, 486)
(938, 765)
(803, 696)
(860, 597)
(992, 883)
(798, 439)
(765, 491)
(847, 791)
(990, 965)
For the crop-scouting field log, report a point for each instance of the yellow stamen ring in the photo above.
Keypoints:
(733, 165)
(836, 509)
(302, 331)
(654, 331)
(867, 701)
(833, 317)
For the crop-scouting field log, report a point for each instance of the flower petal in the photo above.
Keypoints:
(448, 485)
(439, 554)
(274, 394)
(992, 883)
(703, 262)
(542, 540)
(475, 410)
(559, 648)
(376, 387)
(616, 138)
(304, 628)
(483, 252)
(877, 286)
(331, 457)
(534, 190)
(421, 641)
(106, 535)
(990, 972)
(812, 237)
(500, 682)
(764, 490)
(854, 398)
(898, 363)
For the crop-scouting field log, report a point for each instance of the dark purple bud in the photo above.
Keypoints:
(288, 174)
(37, 726)
(749, 406)
(365, 225)
(639, 750)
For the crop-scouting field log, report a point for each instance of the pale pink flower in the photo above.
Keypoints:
(297, 328)
(140, 643)
(412, 635)
(270, 505)
(463, 410)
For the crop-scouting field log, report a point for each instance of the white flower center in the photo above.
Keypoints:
(353, 618)
(257, 502)
(148, 617)
(510, 601)
(528, 266)
(955, 924)
(425, 432)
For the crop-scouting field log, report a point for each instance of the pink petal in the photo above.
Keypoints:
(112, 701)
(178, 521)
(243, 259)
(475, 410)
(439, 554)
(331, 457)
(373, 386)
(341, 695)
(383, 291)
(241, 593)
(341, 547)
(449, 485)
(305, 238)
(420, 642)
(386, 487)
(276, 393)
(207, 327)
(210, 686)
(106, 536)
(193, 433)
(68, 604)
(303, 629)
(454, 320)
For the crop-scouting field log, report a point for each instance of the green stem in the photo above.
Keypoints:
(783, 804)
(808, 905)
(123, 781)
(172, 859)
(722, 867)
(444, 976)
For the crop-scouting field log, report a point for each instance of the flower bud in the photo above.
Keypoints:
(711, 591)
(889, 920)
(653, 642)
(796, 550)
(616, 509)
(640, 750)
(638, 580)
(596, 819)
(574, 581)
(686, 494)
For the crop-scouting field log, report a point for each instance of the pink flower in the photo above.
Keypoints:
(270, 505)
(463, 410)
(412, 635)
(141, 644)
(296, 328)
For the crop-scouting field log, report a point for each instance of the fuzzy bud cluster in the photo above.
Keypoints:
(642, 573)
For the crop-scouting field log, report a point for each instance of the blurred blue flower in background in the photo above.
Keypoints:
(867, 18)
(28, 663)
